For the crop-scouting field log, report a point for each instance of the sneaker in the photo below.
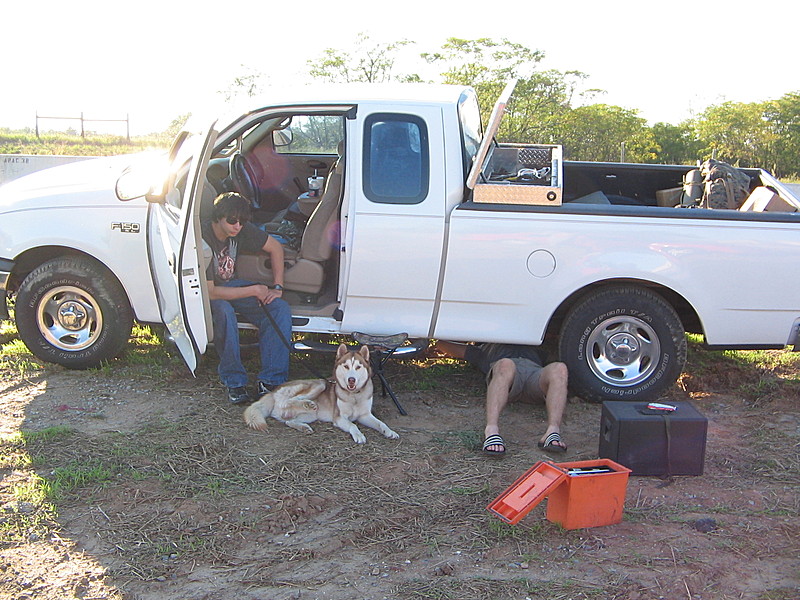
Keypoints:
(237, 395)
(264, 388)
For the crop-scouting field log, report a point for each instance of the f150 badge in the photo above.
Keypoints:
(126, 227)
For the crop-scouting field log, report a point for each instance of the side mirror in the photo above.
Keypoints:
(282, 137)
(143, 178)
(132, 184)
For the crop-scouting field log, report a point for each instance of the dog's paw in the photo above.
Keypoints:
(358, 437)
(392, 435)
(310, 405)
(299, 426)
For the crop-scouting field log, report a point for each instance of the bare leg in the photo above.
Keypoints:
(452, 349)
(553, 381)
(503, 372)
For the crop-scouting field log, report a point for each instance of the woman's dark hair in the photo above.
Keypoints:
(230, 204)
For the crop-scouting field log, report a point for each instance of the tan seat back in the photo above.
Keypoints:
(320, 236)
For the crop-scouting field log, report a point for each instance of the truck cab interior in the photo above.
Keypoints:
(290, 168)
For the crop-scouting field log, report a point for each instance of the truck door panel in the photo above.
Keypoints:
(396, 233)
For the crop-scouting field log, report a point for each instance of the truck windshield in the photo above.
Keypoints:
(469, 116)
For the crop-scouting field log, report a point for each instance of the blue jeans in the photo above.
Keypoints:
(274, 353)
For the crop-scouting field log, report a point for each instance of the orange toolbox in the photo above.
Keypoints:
(587, 493)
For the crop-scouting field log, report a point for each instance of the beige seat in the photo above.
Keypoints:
(306, 272)
(305, 269)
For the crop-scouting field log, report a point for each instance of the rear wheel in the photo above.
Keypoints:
(623, 343)
(73, 312)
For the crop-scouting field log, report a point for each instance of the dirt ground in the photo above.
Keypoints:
(171, 497)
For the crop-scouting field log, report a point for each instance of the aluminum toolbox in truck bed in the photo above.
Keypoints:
(529, 174)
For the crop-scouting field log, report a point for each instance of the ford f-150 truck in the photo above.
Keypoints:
(424, 225)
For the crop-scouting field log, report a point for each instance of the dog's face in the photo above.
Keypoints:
(352, 370)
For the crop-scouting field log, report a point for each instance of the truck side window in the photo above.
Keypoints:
(396, 159)
(312, 134)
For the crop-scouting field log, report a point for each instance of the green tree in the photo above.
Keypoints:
(597, 132)
(367, 63)
(248, 84)
(677, 143)
(176, 125)
(540, 97)
(784, 114)
(738, 133)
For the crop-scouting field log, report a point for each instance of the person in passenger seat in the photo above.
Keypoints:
(225, 235)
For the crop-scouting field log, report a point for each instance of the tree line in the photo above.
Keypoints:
(546, 107)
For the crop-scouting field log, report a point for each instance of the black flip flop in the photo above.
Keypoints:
(550, 443)
(494, 440)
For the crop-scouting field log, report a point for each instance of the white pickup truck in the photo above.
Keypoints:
(424, 226)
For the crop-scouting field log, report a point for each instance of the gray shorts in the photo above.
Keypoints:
(525, 387)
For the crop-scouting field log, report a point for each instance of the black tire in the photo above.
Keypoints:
(71, 311)
(622, 343)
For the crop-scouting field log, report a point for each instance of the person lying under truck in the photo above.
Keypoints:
(516, 373)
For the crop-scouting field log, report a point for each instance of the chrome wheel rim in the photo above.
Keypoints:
(69, 318)
(623, 351)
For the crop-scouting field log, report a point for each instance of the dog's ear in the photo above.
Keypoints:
(341, 351)
(364, 351)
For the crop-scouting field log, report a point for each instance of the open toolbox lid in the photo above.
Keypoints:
(542, 479)
(527, 491)
(481, 158)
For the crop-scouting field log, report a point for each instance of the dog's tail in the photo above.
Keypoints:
(255, 415)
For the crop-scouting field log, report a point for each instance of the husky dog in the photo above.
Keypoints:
(345, 401)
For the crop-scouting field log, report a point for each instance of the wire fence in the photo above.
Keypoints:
(84, 120)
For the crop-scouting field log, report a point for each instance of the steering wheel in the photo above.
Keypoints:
(243, 179)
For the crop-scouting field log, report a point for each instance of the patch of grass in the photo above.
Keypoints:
(18, 359)
(148, 354)
(470, 491)
(25, 520)
(8, 331)
(14, 453)
(439, 373)
(533, 529)
(470, 440)
(32, 514)
(50, 433)
(784, 363)
(760, 388)
(72, 144)
(76, 475)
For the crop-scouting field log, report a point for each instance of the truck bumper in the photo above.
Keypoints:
(5, 273)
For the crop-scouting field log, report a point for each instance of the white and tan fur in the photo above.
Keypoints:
(344, 402)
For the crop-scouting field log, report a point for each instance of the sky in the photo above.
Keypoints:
(156, 60)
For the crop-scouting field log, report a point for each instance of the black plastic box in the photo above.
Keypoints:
(654, 444)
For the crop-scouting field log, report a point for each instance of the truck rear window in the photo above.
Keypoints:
(396, 159)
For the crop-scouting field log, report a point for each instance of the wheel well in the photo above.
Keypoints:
(686, 313)
(30, 259)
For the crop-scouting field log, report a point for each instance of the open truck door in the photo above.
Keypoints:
(175, 245)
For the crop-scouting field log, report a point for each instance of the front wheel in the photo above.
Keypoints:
(71, 311)
(623, 343)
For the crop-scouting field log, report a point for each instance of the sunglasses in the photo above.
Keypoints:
(234, 220)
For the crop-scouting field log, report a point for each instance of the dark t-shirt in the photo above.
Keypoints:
(484, 356)
(222, 267)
